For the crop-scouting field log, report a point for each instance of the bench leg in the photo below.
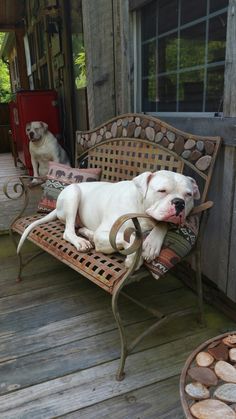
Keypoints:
(120, 375)
(199, 286)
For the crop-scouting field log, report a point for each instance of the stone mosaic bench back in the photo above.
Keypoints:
(130, 144)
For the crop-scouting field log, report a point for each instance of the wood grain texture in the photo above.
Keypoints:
(58, 337)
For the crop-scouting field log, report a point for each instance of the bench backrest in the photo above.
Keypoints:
(131, 144)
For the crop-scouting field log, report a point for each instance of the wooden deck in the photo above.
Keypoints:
(59, 345)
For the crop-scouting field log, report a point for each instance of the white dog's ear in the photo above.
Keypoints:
(196, 193)
(142, 181)
(44, 125)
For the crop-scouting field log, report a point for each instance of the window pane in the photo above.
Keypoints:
(149, 59)
(167, 93)
(167, 15)
(215, 88)
(167, 53)
(149, 94)
(218, 4)
(192, 46)
(148, 21)
(192, 9)
(217, 38)
(191, 91)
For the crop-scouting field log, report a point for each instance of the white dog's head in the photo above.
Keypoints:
(169, 196)
(35, 130)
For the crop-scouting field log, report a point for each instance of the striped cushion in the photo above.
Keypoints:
(177, 244)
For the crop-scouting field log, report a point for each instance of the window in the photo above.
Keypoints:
(183, 55)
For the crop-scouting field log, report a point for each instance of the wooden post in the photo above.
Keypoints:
(230, 63)
(99, 47)
(19, 36)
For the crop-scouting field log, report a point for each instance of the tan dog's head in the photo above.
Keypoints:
(168, 196)
(35, 130)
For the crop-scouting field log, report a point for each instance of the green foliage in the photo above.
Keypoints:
(80, 62)
(5, 86)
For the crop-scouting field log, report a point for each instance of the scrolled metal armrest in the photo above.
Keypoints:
(136, 230)
(17, 187)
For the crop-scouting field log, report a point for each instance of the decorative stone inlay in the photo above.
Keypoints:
(150, 133)
(130, 118)
(203, 163)
(226, 392)
(125, 122)
(114, 129)
(144, 123)
(163, 129)
(189, 144)
(179, 145)
(93, 138)
(159, 137)
(232, 354)
(143, 134)
(137, 132)
(152, 124)
(124, 132)
(102, 131)
(212, 409)
(119, 131)
(164, 142)
(203, 375)
(130, 129)
(108, 135)
(204, 359)
(197, 391)
(171, 136)
(200, 145)
(137, 121)
(171, 146)
(209, 147)
(220, 352)
(230, 341)
(99, 138)
(119, 122)
(195, 155)
(225, 371)
(186, 154)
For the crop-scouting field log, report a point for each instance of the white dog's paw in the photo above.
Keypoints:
(130, 260)
(81, 244)
(151, 249)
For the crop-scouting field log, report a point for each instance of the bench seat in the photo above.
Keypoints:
(104, 270)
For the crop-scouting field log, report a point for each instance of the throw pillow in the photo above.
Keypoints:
(177, 244)
(59, 176)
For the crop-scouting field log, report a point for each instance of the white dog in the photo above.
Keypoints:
(165, 196)
(43, 147)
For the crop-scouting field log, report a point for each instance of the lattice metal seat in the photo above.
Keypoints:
(104, 270)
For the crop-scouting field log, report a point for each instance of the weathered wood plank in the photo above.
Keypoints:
(74, 391)
(90, 322)
(48, 364)
(150, 402)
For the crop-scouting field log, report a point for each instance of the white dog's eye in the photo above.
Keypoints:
(189, 194)
(162, 190)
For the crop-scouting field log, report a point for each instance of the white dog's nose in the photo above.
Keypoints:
(179, 205)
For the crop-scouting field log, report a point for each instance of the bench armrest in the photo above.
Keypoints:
(20, 187)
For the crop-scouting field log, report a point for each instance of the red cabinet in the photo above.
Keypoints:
(32, 105)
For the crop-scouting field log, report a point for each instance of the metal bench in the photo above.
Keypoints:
(124, 147)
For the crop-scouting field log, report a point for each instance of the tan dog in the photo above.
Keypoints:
(43, 147)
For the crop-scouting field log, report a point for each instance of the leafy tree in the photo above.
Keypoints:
(5, 86)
